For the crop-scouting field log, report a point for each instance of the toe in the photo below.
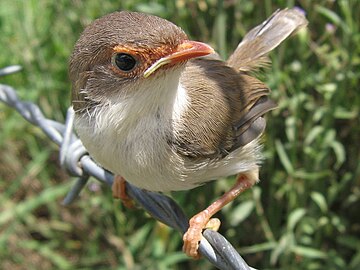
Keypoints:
(191, 243)
(213, 224)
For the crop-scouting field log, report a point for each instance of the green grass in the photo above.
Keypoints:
(304, 214)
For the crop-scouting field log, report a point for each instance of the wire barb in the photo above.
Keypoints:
(75, 159)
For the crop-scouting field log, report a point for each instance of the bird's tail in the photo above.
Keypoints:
(253, 49)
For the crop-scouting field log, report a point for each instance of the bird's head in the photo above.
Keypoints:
(125, 51)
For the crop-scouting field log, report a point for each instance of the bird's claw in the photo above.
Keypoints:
(119, 191)
(191, 240)
(193, 235)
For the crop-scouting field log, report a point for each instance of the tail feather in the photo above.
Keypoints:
(252, 52)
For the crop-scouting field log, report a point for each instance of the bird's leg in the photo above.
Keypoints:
(119, 191)
(201, 220)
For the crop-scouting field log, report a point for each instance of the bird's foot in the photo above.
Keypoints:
(193, 235)
(119, 191)
(202, 220)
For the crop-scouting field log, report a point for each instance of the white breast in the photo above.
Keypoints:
(129, 137)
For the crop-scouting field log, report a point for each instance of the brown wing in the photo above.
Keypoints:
(225, 112)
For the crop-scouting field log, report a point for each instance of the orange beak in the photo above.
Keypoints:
(185, 51)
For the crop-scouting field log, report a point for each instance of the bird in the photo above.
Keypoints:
(166, 113)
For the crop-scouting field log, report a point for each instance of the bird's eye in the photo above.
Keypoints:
(124, 62)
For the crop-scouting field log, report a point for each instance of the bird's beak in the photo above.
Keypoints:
(185, 51)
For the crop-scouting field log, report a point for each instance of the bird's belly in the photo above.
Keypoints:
(140, 153)
(143, 156)
(142, 162)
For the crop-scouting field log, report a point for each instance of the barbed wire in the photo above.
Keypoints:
(75, 159)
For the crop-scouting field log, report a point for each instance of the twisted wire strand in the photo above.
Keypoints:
(75, 159)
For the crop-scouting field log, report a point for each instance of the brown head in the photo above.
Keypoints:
(122, 49)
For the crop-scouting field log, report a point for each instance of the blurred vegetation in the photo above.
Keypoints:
(304, 214)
